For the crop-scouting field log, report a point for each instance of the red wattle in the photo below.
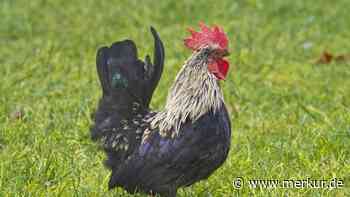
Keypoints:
(219, 68)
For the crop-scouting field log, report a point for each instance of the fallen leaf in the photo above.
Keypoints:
(342, 58)
(17, 114)
(325, 58)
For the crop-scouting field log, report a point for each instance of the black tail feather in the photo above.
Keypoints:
(102, 69)
(158, 59)
(109, 58)
(124, 53)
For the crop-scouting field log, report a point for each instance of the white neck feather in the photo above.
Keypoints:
(194, 93)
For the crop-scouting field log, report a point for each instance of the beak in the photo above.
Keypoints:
(226, 53)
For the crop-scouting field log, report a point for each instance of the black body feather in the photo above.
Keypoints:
(162, 165)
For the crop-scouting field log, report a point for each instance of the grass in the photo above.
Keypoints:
(291, 118)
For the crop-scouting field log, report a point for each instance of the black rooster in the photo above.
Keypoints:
(158, 152)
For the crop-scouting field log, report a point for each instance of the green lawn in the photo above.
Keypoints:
(291, 117)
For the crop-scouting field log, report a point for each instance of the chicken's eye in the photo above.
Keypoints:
(206, 51)
(118, 81)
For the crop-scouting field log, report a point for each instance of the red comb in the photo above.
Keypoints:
(207, 36)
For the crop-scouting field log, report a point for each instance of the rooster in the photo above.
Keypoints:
(159, 152)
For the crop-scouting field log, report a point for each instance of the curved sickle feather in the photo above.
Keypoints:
(157, 68)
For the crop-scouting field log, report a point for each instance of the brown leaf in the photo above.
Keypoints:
(342, 58)
(17, 114)
(325, 58)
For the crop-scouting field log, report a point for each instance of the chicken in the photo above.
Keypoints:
(159, 152)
